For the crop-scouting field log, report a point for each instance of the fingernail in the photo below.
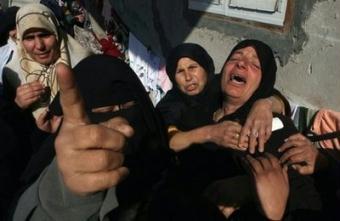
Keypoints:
(279, 150)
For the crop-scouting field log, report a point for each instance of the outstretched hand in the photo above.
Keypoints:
(89, 156)
(272, 185)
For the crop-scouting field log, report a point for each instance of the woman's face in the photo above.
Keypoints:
(190, 77)
(41, 45)
(241, 75)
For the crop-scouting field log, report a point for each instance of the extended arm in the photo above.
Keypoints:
(223, 134)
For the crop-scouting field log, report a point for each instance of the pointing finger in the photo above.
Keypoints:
(71, 101)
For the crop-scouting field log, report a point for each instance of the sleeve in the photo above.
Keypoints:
(170, 108)
(49, 199)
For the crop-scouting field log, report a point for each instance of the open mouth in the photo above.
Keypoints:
(191, 87)
(238, 79)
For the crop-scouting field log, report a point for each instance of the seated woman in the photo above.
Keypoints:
(248, 75)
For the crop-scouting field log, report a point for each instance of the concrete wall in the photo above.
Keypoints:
(308, 52)
(313, 75)
(308, 73)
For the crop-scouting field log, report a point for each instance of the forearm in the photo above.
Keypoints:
(273, 103)
(277, 105)
(183, 139)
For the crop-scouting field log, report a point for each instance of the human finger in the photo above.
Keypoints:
(244, 143)
(84, 184)
(98, 136)
(120, 124)
(244, 136)
(42, 116)
(295, 137)
(302, 169)
(289, 153)
(253, 141)
(261, 139)
(71, 101)
(254, 164)
(95, 160)
(264, 161)
(245, 132)
(274, 161)
(291, 143)
(24, 102)
(29, 93)
(33, 85)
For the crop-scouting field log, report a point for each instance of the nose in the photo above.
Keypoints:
(187, 75)
(39, 43)
(241, 63)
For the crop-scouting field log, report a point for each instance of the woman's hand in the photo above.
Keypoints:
(226, 134)
(27, 94)
(272, 185)
(299, 152)
(89, 156)
(258, 126)
(48, 123)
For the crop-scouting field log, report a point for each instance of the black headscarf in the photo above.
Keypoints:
(175, 105)
(268, 69)
(7, 23)
(192, 51)
(104, 80)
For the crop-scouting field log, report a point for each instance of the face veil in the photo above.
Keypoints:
(107, 81)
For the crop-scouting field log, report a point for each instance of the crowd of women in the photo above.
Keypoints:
(81, 139)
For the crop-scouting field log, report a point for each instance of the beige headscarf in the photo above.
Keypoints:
(71, 52)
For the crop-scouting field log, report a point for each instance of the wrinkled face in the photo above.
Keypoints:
(41, 45)
(241, 75)
(190, 77)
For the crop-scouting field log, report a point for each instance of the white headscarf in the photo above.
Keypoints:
(71, 52)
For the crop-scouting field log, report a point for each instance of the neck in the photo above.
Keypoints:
(230, 106)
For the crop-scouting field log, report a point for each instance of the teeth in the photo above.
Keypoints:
(237, 78)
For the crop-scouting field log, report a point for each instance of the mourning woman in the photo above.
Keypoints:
(191, 191)
(195, 96)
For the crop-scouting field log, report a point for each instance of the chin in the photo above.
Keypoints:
(192, 93)
(46, 61)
